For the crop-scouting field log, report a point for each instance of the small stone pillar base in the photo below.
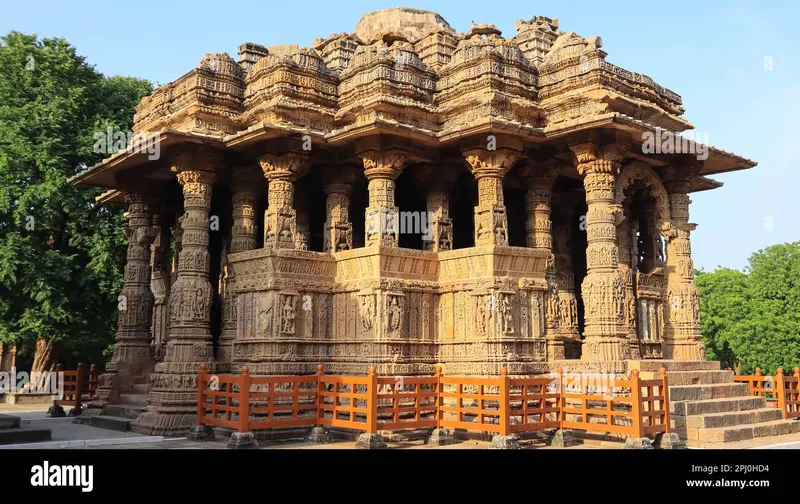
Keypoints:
(638, 444)
(370, 441)
(56, 412)
(75, 412)
(563, 438)
(669, 441)
(440, 437)
(201, 433)
(319, 435)
(242, 441)
(510, 442)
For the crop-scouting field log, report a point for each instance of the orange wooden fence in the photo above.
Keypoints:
(77, 386)
(780, 391)
(371, 403)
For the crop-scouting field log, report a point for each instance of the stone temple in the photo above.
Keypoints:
(404, 195)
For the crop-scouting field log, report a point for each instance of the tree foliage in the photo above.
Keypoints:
(60, 256)
(751, 318)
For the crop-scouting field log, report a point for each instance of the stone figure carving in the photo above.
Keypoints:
(288, 315)
(394, 314)
(481, 315)
(553, 304)
(265, 320)
(367, 311)
(506, 315)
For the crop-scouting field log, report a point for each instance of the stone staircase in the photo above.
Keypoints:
(119, 416)
(708, 408)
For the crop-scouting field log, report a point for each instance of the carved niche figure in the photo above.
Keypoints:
(288, 315)
(265, 318)
(550, 266)
(445, 234)
(506, 317)
(367, 311)
(630, 309)
(499, 226)
(322, 317)
(394, 314)
(480, 228)
(481, 314)
(553, 305)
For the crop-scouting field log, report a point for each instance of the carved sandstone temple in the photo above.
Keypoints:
(404, 196)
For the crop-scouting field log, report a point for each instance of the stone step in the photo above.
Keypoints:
(111, 422)
(9, 422)
(675, 378)
(741, 432)
(731, 419)
(703, 392)
(709, 406)
(140, 388)
(133, 399)
(673, 365)
(124, 411)
(20, 435)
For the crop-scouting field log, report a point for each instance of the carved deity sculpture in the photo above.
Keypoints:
(288, 315)
(367, 311)
(394, 314)
(506, 315)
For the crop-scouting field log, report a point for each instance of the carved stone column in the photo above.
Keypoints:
(603, 288)
(132, 348)
(160, 285)
(303, 234)
(563, 214)
(173, 396)
(243, 238)
(489, 168)
(538, 179)
(683, 338)
(338, 231)
(439, 180)
(627, 270)
(382, 223)
(280, 219)
(132, 358)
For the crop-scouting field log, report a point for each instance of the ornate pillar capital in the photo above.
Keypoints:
(592, 158)
(535, 173)
(199, 159)
(491, 163)
(288, 166)
(383, 164)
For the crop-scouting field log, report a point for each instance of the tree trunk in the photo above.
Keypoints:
(43, 360)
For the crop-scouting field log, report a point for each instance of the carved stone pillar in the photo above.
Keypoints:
(303, 233)
(382, 216)
(338, 231)
(603, 288)
(489, 168)
(564, 211)
(132, 348)
(627, 270)
(173, 396)
(439, 180)
(683, 339)
(280, 219)
(538, 179)
(160, 285)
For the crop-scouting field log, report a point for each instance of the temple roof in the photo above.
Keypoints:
(408, 72)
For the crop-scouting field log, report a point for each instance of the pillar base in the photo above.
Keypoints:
(510, 442)
(638, 444)
(370, 441)
(440, 437)
(669, 441)
(56, 412)
(75, 412)
(319, 435)
(201, 433)
(563, 438)
(242, 441)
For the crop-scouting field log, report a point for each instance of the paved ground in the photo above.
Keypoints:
(69, 435)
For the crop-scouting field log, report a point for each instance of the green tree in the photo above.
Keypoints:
(61, 256)
(751, 318)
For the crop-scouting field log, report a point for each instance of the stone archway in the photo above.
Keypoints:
(639, 171)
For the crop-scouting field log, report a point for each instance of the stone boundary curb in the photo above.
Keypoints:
(83, 443)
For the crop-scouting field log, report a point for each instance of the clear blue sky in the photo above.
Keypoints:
(712, 53)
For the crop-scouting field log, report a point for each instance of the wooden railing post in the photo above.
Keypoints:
(662, 373)
(59, 370)
(751, 383)
(780, 391)
(244, 400)
(78, 387)
(201, 387)
(562, 402)
(636, 404)
(320, 389)
(372, 402)
(437, 397)
(505, 404)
